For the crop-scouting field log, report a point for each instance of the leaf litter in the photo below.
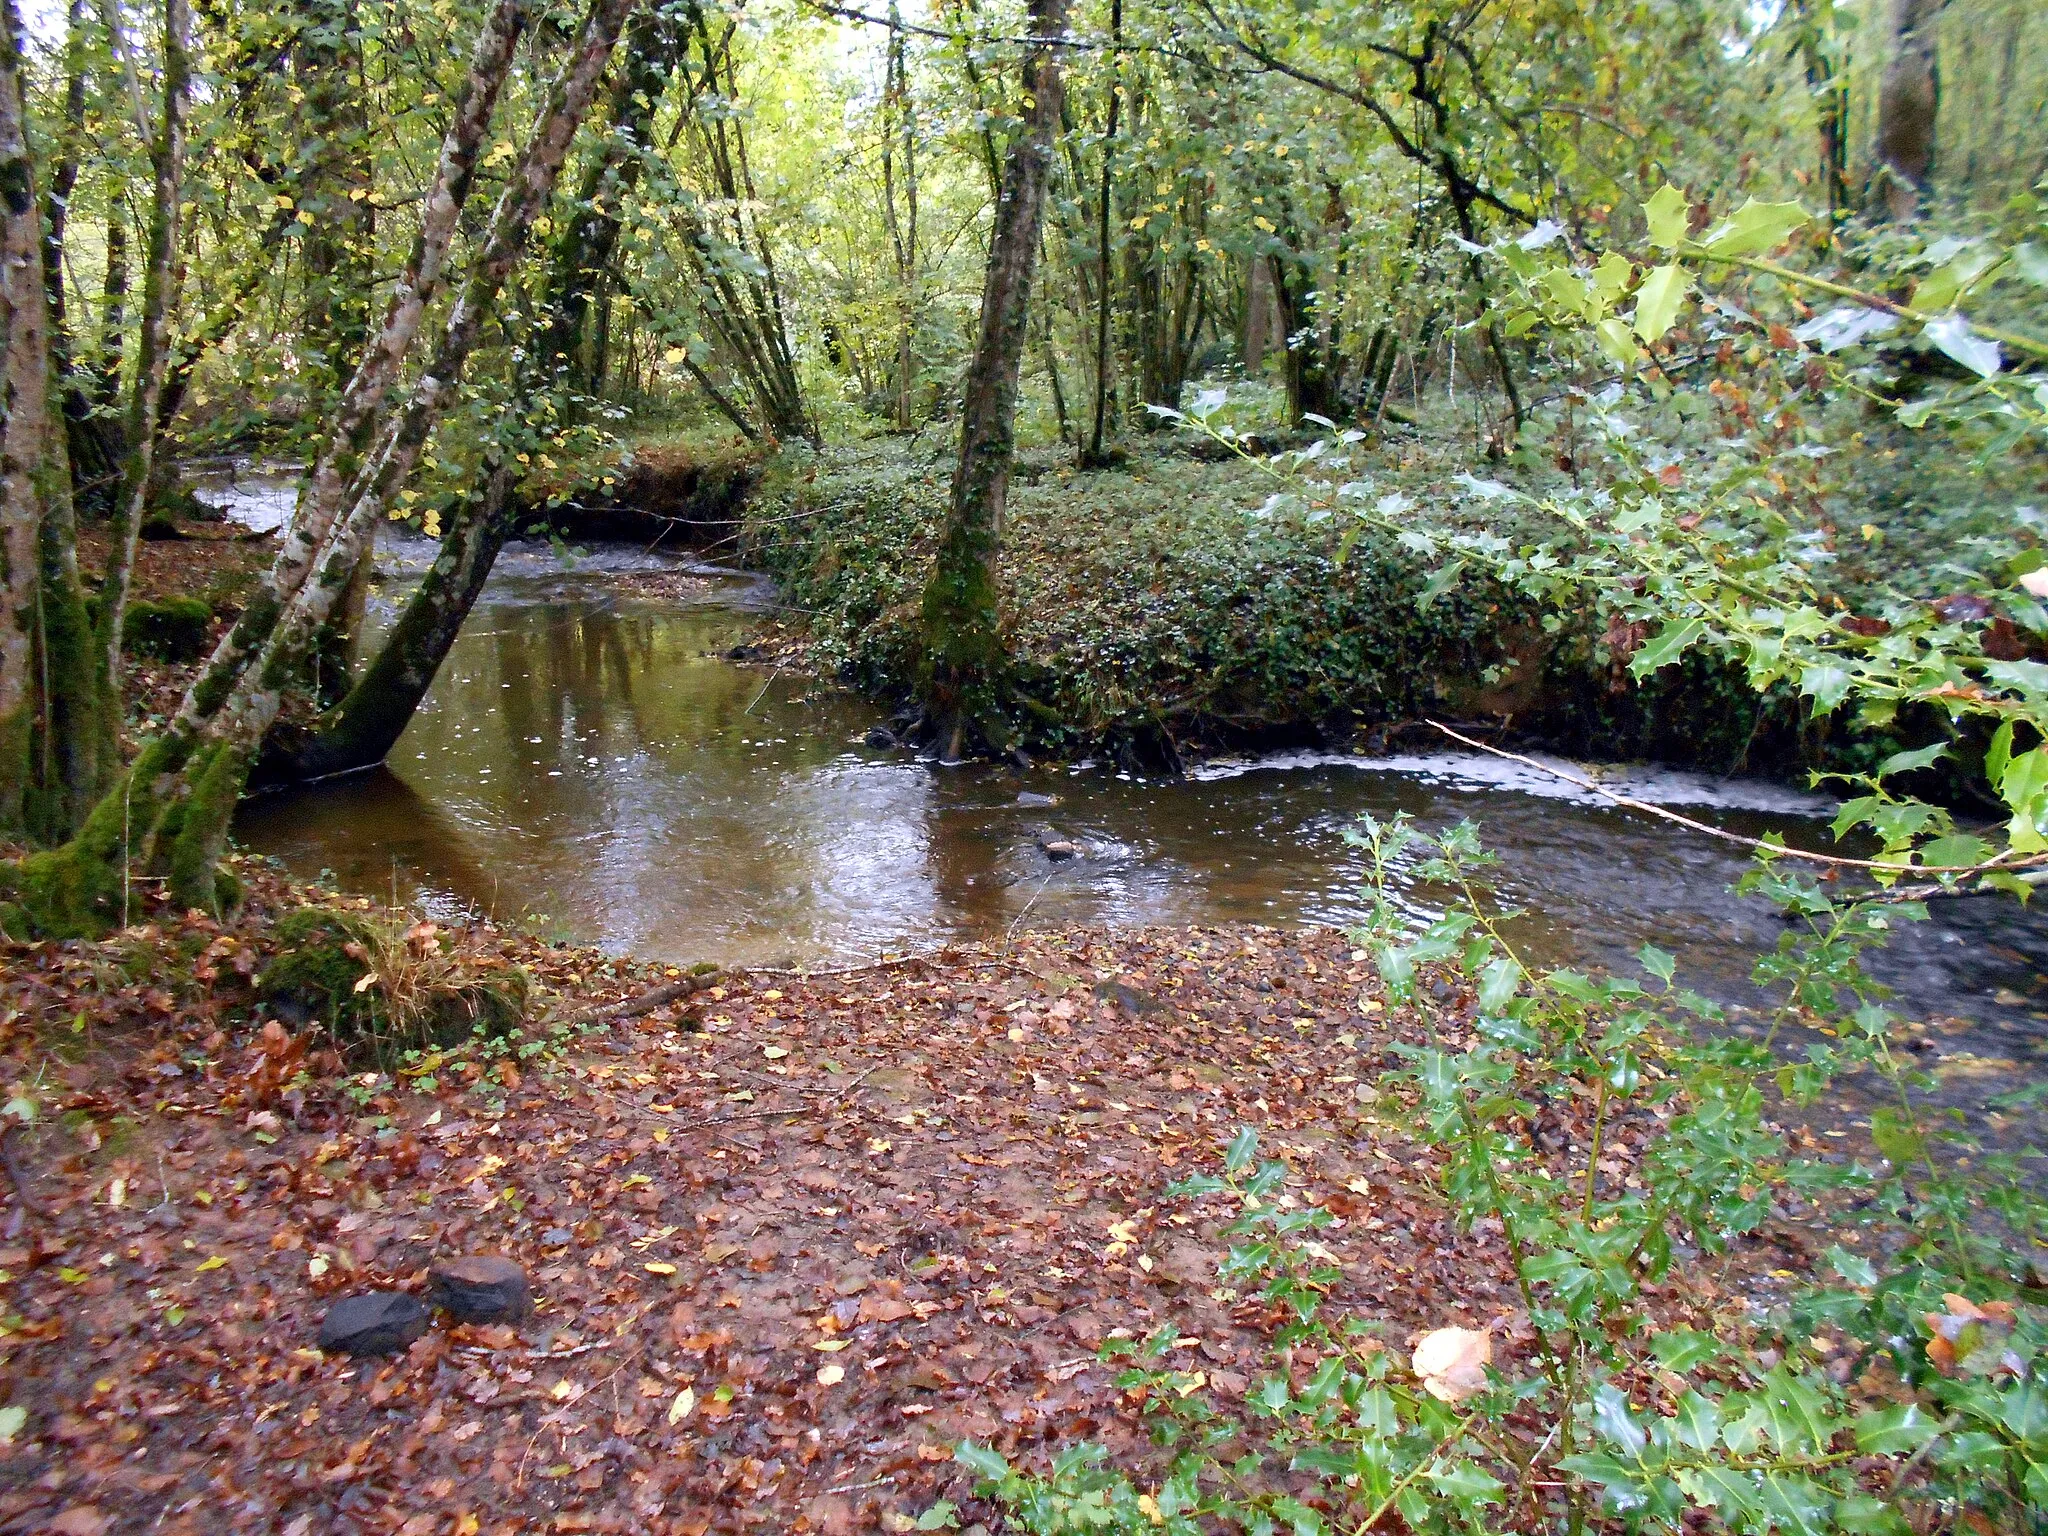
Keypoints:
(791, 1238)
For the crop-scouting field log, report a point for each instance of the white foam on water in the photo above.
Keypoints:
(1479, 772)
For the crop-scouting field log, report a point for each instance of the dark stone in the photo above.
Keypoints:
(880, 737)
(482, 1289)
(380, 1323)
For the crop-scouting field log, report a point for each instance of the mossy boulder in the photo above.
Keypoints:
(173, 629)
(322, 958)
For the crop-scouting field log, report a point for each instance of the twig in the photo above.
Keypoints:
(879, 1482)
(1780, 850)
(746, 1114)
(647, 1002)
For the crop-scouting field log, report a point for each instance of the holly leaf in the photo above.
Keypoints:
(1753, 229)
(1672, 642)
(1658, 301)
(1952, 334)
(1666, 213)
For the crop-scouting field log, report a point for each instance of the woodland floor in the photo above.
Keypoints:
(791, 1240)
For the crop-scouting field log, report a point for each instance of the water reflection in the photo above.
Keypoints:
(587, 760)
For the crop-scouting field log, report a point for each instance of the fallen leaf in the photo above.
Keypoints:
(831, 1375)
(1451, 1362)
(679, 1410)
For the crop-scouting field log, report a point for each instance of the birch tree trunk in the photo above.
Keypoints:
(962, 631)
(418, 285)
(171, 811)
(190, 816)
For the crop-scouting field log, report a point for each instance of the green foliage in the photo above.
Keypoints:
(1608, 1414)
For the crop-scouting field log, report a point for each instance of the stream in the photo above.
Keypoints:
(590, 765)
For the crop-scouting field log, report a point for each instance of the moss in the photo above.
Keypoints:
(318, 978)
(322, 956)
(174, 629)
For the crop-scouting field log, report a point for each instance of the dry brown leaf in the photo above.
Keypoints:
(1452, 1362)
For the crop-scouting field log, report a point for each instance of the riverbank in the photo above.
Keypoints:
(790, 1238)
(1172, 607)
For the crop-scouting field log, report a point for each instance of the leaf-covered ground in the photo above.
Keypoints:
(791, 1239)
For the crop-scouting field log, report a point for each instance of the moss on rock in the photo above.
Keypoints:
(169, 629)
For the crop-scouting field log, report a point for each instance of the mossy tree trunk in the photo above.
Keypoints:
(169, 815)
(55, 723)
(361, 730)
(963, 647)
(329, 487)
(24, 439)
(584, 250)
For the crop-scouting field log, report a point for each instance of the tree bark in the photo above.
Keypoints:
(962, 632)
(153, 342)
(361, 730)
(1908, 106)
(25, 431)
(1103, 391)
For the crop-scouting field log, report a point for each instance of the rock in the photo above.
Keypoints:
(1058, 849)
(1032, 799)
(483, 1288)
(881, 737)
(380, 1323)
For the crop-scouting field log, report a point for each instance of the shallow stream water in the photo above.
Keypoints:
(590, 764)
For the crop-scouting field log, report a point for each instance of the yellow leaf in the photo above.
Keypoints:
(216, 1262)
(656, 1267)
(773, 1052)
(829, 1345)
(831, 1375)
(679, 1410)
(369, 980)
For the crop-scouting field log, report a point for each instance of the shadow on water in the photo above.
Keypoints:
(589, 763)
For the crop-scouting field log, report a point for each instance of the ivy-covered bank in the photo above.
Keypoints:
(1173, 605)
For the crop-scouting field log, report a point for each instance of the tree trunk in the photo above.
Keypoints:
(190, 828)
(962, 634)
(583, 251)
(1908, 105)
(899, 119)
(152, 345)
(1103, 394)
(360, 731)
(174, 806)
(25, 440)
(328, 486)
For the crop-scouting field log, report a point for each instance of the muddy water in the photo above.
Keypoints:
(590, 764)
